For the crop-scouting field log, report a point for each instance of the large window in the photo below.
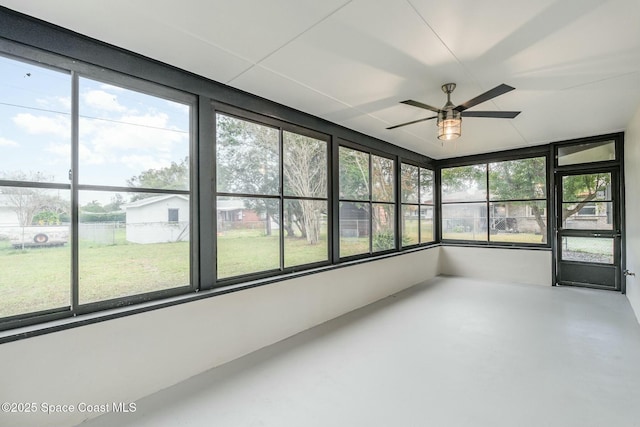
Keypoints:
(464, 203)
(517, 201)
(417, 205)
(118, 154)
(503, 202)
(272, 197)
(367, 202)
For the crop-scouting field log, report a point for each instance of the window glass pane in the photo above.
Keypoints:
(383, 179)
(305, 238)
(464, 183)
(354, 174)
(248, 235)
(426, 186)
(35, 123)
(586, 153)
(465, 221)
(518, 179)
(587, 249)
(587, 216)
(130, 139)
(384, 231)
(354, 228)
(128, 245)
(35, 254)
(409, 176)
(247, 157)
(521, 222)
(426, 224)
(410, 224)
(586, 188)
(304, 166)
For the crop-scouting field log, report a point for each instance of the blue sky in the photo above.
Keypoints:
(122, 132)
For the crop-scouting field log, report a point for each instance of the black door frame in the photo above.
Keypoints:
(616, 167)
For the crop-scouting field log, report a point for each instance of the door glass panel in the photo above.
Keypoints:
(587, 249)
(586, 202)
(586, 153)
(587, 216)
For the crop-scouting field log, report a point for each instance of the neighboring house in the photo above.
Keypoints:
(232, 214)
(158, 219)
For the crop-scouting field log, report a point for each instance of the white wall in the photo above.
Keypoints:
(505, 265)
(125, 359)
(632, 200)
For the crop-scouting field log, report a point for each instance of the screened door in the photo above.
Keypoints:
(588, 221)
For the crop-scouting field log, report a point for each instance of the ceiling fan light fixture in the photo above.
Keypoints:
(449, 124)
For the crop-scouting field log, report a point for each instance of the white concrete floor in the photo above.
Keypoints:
(450, 352)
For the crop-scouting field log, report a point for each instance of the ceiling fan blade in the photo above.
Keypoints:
(411, 122)
(420, 105)
(491, 114)
(496, 91)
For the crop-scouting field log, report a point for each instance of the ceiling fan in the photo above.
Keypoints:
(450, 117)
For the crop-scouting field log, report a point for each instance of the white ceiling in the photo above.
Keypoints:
(575, 64)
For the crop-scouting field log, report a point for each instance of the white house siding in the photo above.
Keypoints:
(148, 220)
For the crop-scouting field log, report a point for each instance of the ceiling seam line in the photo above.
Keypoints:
(288, 42)
(604, 79)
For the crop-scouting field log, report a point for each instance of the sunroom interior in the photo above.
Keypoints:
(207, 210)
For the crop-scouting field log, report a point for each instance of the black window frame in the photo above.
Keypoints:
(79, 70)
(541, 151)
(370, 200)
(419, 205)
(281, 197)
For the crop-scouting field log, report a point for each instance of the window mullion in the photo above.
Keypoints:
(73, 176)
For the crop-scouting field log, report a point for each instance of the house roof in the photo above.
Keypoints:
(152, 200)
(230, 205)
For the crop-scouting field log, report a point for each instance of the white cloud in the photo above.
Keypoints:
(102, 100)
(89, 157)
(57, 102)
(106, 86)
(58, 125)
(142, 163)
(149, 133)
(4, 142)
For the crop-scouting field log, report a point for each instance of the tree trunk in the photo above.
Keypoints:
(541, 224)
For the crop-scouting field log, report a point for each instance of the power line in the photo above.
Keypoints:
(93, 118)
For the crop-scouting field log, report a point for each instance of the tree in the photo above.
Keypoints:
(248, 163)
(172, 177)
(521, 180)
(305, 175)
(579, 190)
(29, 202)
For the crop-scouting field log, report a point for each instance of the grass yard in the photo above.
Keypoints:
(248, 251)
(39, 279)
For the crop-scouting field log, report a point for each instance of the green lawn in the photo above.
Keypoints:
(248, 251)
(39, 278)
